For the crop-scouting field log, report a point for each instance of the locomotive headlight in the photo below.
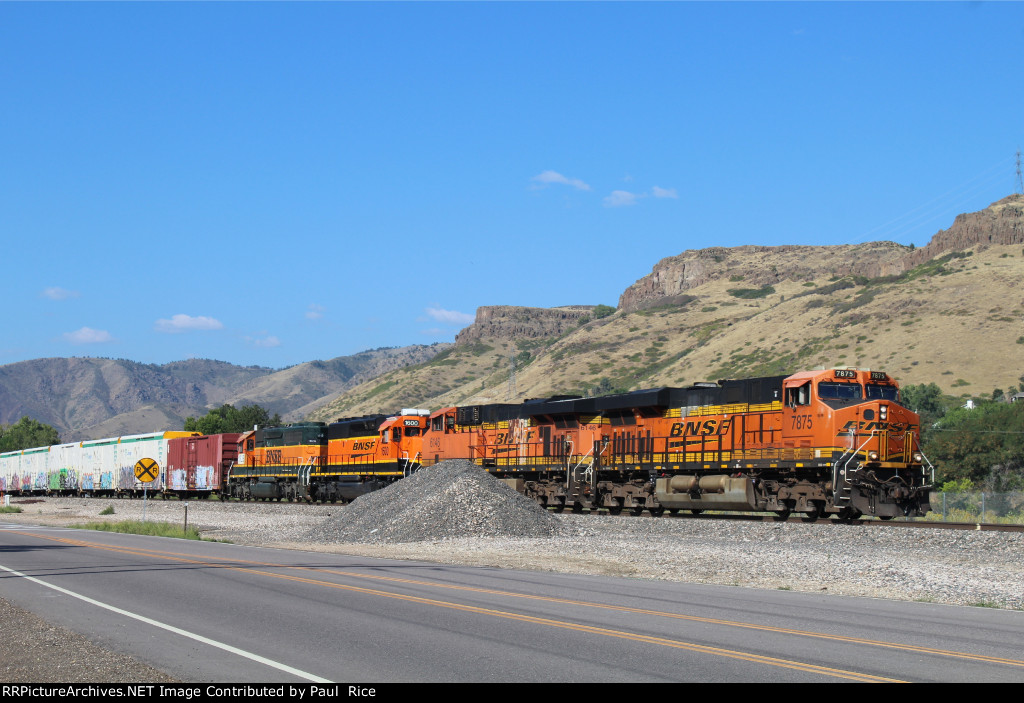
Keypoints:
(883, 412)
(918, 457)
(872, 456)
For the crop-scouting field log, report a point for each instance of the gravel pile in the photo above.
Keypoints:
(450, 500)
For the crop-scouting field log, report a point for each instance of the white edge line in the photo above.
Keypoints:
(175, 630)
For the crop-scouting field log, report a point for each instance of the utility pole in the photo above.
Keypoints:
(512, 392)
(1020, 181)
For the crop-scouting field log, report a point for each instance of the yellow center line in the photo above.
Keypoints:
(565, 625)
(640, 611)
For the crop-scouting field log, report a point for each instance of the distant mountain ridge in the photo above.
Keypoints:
(87, 398)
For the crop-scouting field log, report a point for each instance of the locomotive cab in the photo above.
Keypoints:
(854, 421)
(401, 439)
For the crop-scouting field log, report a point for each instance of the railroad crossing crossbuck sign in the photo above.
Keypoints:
(147, 470)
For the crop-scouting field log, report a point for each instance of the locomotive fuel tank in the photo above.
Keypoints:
(714, 492)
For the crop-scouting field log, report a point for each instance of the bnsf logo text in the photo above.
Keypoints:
(707, 427)
(363, 446)
(273, 456)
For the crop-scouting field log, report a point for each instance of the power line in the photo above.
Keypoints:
(1020, 182)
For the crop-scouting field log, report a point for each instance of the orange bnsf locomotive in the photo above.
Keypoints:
(820, 443)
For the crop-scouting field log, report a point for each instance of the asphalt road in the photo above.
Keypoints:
(209, 612)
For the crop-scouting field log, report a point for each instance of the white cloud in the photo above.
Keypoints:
(58, 293)
(315, 312)
(87, 335)
(549, 177)
(184, 323)
(266, 340)
(665, 193)
(450, 317)
(621, 198)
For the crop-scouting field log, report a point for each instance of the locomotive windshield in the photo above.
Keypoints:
(840, 391)
(877, 391)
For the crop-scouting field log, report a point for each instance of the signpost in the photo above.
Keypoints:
(147, 471)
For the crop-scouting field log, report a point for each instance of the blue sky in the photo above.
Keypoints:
(272, 183)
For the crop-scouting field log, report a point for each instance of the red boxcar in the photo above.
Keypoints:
(196, 465)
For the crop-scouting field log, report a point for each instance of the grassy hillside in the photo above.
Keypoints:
(956, 320)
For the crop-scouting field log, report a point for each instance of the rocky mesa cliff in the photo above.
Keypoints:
(755, 267)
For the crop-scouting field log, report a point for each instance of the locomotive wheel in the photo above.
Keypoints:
(657, 512)
(848, 514)
(636, 510)
(615, 509)
(577, 507)
(813, 515)
(781, 515)
(696, 511)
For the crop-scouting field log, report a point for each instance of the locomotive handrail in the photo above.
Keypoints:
(406, 471)
(853, 453)
(303, 473)
(570, 471)
(930, 464)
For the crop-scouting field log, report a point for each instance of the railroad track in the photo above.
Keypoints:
(975, 526)
(874, 523)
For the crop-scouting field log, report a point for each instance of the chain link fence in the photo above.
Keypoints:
(980, 507)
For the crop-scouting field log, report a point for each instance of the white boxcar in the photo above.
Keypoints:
(98, 464)
(10, 472)
(141, 446)
(34, 465)
(64, 469)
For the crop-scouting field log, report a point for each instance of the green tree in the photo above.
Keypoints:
(27, 433)
(984, 444)
(927, 401)
(600, 311)
(228, 418)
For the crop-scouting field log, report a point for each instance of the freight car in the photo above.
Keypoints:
(102, 467)
(197, 464)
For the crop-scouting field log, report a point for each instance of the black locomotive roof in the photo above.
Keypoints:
(346, 427)
(752, 390)
(648, 398)
(749, 390)
(480, 414)
(559, 405)
(290, 435)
